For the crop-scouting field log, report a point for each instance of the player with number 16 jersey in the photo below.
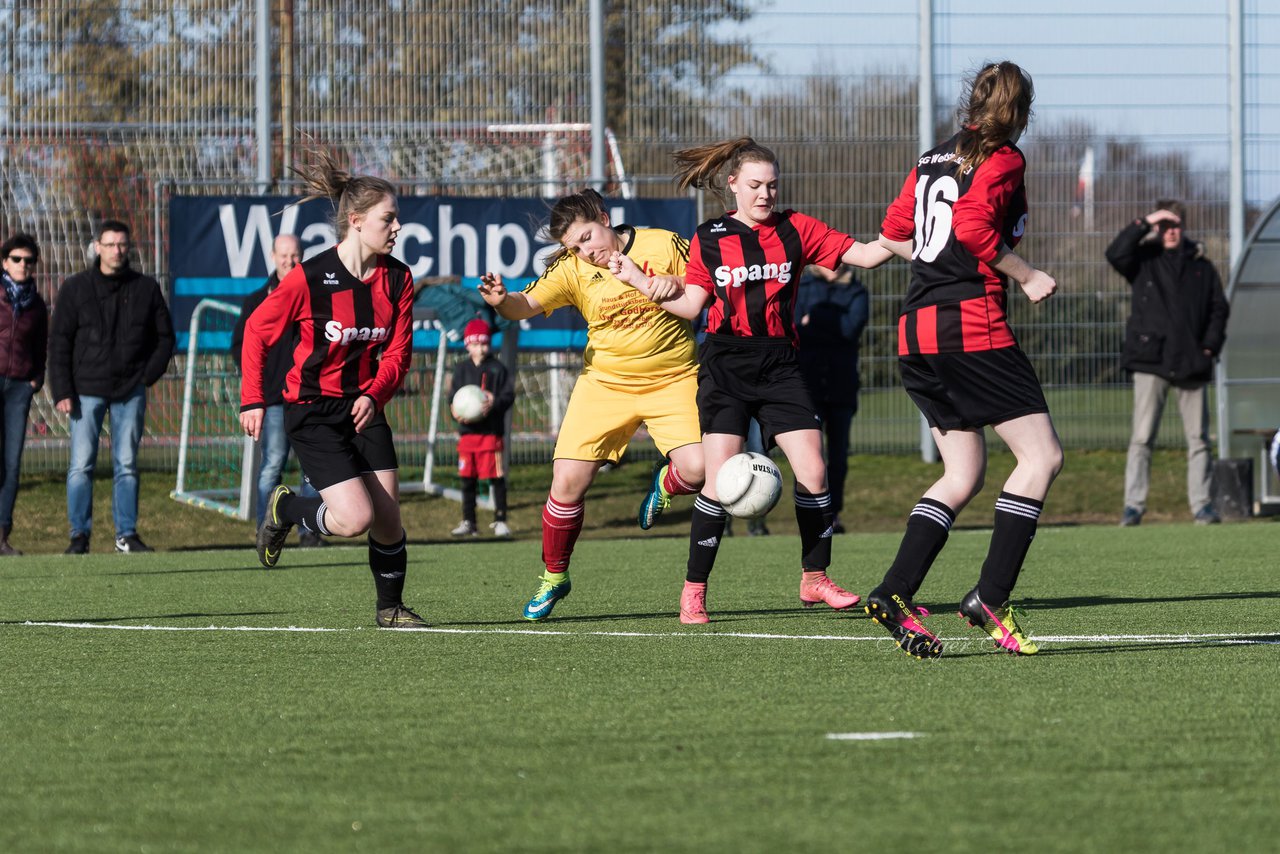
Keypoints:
(961, 211)
(956, 300)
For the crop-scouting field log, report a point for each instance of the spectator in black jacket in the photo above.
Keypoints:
(286, 253)
(831, 311)
(111, 338)
(1175, 332)
(24, 338)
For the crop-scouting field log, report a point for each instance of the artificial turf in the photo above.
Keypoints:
(1147, 722)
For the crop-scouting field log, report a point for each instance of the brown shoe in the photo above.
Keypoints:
(7, 550)
(400, 617)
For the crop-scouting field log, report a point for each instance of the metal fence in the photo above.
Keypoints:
(111, 106)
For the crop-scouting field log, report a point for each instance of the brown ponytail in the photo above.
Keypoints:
(700, 166)
(348, 193)
(995, 106)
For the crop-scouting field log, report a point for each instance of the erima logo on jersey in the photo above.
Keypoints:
(335, 331)
(1021, 227)
(738, 276)
(718, 228)
(331, 279)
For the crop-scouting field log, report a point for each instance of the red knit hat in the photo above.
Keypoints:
(476, 331)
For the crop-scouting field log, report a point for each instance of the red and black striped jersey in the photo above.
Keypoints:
(753, 272)
(957, 222)
(355, 337)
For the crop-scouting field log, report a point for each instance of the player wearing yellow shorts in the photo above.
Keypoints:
(640, 366)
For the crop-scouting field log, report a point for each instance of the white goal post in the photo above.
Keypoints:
(230, 453)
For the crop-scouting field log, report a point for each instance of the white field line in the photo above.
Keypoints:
(1224, 637)
(871, 736)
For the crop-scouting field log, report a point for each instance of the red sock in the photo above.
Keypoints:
(561, 524)
(676, 485)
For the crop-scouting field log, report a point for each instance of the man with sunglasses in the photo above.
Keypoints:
(24, 332)
(111, 338)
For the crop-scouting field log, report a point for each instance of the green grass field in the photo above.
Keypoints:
(194, 702)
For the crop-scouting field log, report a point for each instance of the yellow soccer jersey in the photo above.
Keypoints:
(631, 342)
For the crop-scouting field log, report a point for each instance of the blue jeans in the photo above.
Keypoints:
(275, 453)
(15, 397)
(127, 417)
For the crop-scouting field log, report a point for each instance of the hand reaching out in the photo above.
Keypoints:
(492, 289)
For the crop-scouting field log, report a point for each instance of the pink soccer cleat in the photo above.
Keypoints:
(815, 587)
(902, 620)
(693, 604)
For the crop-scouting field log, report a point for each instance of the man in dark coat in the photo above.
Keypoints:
(111, 338)
(1175, 332)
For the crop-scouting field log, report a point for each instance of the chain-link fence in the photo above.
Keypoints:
(111, 107)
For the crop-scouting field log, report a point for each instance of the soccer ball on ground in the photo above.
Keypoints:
(749, 485)
(468, 402)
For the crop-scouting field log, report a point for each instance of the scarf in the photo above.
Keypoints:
(19, 294)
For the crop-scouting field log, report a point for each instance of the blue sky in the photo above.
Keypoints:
(1155, 70)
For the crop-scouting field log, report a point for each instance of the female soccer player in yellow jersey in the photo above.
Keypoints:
(639, 366)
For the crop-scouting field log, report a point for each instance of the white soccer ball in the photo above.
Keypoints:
(749, 485)
(468, 402)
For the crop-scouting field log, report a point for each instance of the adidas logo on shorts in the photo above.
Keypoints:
(710, 542)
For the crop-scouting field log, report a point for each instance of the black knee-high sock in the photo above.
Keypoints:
(306, 511)
(499, 487)
(388, 564)
(1015, 528)
(705, 532)
(814, 516)
(927, 529)
(469, 487)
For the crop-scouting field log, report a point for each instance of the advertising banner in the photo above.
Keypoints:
(220, 247)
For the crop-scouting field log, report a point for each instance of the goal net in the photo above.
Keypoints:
(216, 461)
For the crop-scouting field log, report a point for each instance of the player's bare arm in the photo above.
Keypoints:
(1036, 284)
(867, 255)
(657, 288)
(901, 248)
(510, 305)
(667, 291)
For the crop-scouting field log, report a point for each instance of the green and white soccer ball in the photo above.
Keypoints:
(749, 485)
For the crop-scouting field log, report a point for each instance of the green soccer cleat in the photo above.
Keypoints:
(1000, 623)
(549, 593)
(656, 500)
(274, 530)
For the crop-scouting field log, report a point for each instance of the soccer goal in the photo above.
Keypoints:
(216, 461)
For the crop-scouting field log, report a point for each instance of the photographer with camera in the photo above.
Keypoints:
(1176, 330)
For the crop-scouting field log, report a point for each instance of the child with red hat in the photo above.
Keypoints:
(480, 441)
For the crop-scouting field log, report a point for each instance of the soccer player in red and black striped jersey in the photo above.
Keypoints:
(352, 307)
(747, 265)
(961, 211)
